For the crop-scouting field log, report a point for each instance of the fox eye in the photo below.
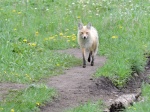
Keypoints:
(81, 32)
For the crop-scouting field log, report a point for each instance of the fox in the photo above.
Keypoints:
(88, 40)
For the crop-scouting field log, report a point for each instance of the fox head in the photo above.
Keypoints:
(84, 30)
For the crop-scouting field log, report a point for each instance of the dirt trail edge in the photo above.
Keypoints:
(77, 86)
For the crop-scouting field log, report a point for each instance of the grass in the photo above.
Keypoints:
(31, 31)
(88, 107)
(27, 100)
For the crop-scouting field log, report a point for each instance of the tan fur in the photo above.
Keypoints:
(88, 41)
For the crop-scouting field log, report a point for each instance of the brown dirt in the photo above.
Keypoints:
(77, 86)
(5, 88)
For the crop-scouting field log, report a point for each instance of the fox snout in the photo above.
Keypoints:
(85, 37)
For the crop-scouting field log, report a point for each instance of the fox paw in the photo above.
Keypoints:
(84, 66)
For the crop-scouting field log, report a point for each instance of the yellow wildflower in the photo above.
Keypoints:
(51, 37)
(57, 64)
(15, 29)
(37, 103)
(13, 10)
(78, 17)
(114, 37)
(61, 34)
(36, 33)
(68, 40)
(12, 110)
(73, 39)
(27, 75)
(120, 26)
(24, 40)
(33, 44)
(19, 12)
(45, 39)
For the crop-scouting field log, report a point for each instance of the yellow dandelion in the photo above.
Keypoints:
(19, 12)
(57, 64)
(15, 29)
(24, 40)
(33, 44)
(114, 37)
(36, 33)
(14, 11)
(51, 37)
(26, 75)
(37, 103)
(73, 39)
(12, 110)
(78, 17)
(60, 34)
(120, 26)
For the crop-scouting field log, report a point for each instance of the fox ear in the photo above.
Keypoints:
(80, 25)
(89, 25)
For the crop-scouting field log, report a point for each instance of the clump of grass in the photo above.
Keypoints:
(88, 107)
(27, 100)
(30, 66)
(124, 40)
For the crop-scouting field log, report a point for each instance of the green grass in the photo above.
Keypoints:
(30, 31)
(88, 107)
(27, 100)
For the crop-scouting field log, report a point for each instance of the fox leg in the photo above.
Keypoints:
(83, 54)
(92, 62)
(89, 58)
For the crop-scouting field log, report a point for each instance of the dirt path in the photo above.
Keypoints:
(77, 86)
(6, 87)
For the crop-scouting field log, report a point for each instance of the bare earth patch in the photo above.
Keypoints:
(77, 86)
(5, 88)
